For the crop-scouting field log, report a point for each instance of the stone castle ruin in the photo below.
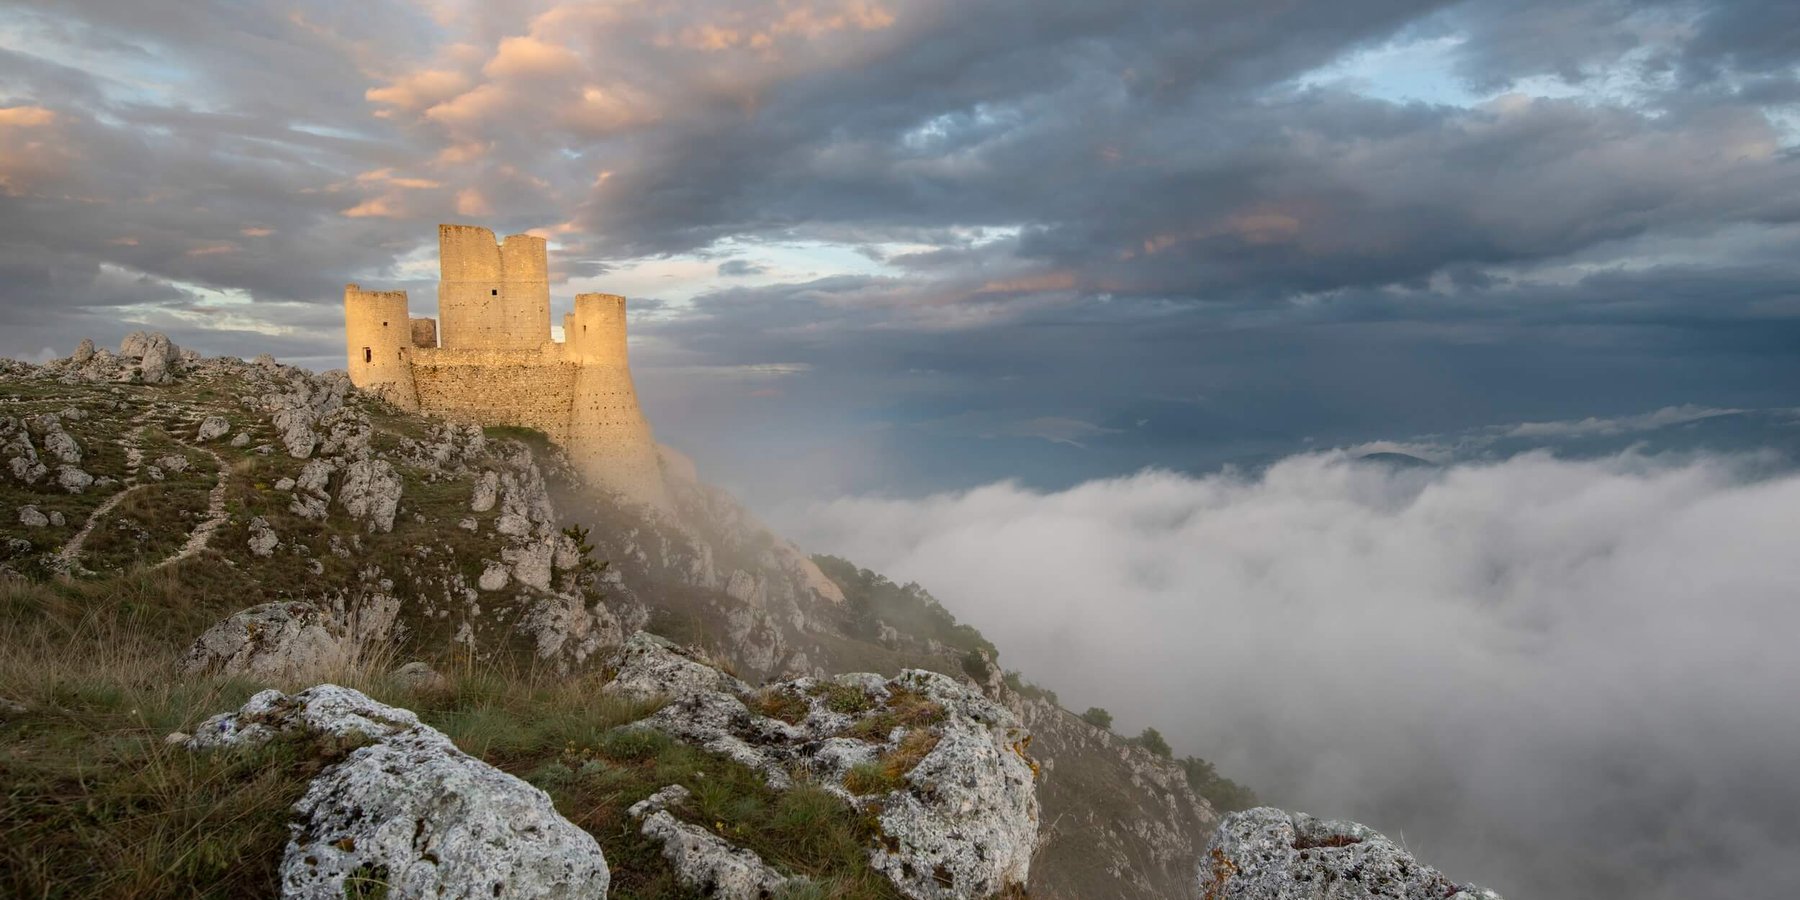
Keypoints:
(489, 359)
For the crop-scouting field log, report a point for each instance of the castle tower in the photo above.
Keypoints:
(609, 441)
(492, 296)
(377, 344)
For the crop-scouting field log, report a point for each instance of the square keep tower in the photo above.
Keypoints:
(492, 296)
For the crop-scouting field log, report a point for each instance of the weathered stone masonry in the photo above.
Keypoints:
(490, 359)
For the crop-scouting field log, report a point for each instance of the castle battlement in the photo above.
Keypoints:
(489, 359)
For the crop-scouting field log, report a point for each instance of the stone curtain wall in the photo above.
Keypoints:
(498, 387)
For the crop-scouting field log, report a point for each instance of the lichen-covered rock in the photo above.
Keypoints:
(410, 811)
(1269, 854)
(371, 492)
(568, 629)
(32, 517)
(263, 539)
(650, 666)
(173, 463)
(72, 479)
(493, 577)
(282, 640)
(941, 768)
(312, 498)
(967, 822)
(60, 443)
(703, 861)
(212, 428)
(157, 356)
(419, 676)
(487, 492)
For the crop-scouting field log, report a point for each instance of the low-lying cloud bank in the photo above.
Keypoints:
(1568, 679)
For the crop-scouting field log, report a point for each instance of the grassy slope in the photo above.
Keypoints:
(95, 804)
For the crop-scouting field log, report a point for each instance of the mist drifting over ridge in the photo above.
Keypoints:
(1566, 679)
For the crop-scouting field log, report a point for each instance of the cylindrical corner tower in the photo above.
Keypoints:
(492, 296)
(377, 344)
(610, 441)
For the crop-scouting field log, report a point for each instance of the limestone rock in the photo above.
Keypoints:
(568, 630)
(281, 640)
(84, 351)
(967, 822)
(412, 810)
(531, 563)
(1269, 854)
(241, 439)
(419, 676)
(156, 355)
(60, 443)
(263, 539)
(57, 519)
(371, 492)
(493, 577)
(487, 491)
(703, 861)
(284, 484)
(212, 428)
(650, 666)
(30, 517)
(72, 479)
(172, 463)
(961, 817)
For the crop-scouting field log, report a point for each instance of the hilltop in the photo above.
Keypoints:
(152, 497)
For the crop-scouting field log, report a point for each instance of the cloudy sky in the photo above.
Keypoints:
(888, 246)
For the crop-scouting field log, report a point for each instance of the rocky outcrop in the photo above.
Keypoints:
(410, 815)
(263, 539)
(371, 492)
(156, 356)
(1269, 854)
(212, 428)
(942, 769)
(293, 640)
(277, 641)
(704, 862)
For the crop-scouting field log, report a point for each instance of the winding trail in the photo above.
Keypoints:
(68, 559)
(215, 515)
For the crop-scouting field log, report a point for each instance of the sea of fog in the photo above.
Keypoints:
(1565, 679)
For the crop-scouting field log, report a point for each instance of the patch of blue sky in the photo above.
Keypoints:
(143, 78)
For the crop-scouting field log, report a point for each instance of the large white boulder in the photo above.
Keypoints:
(1269, 854)
(285, 640)
(410, 815)
(371, 492)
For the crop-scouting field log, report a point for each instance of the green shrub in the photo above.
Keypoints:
(1152, 740)
(1225, 795)
(1097, 717)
